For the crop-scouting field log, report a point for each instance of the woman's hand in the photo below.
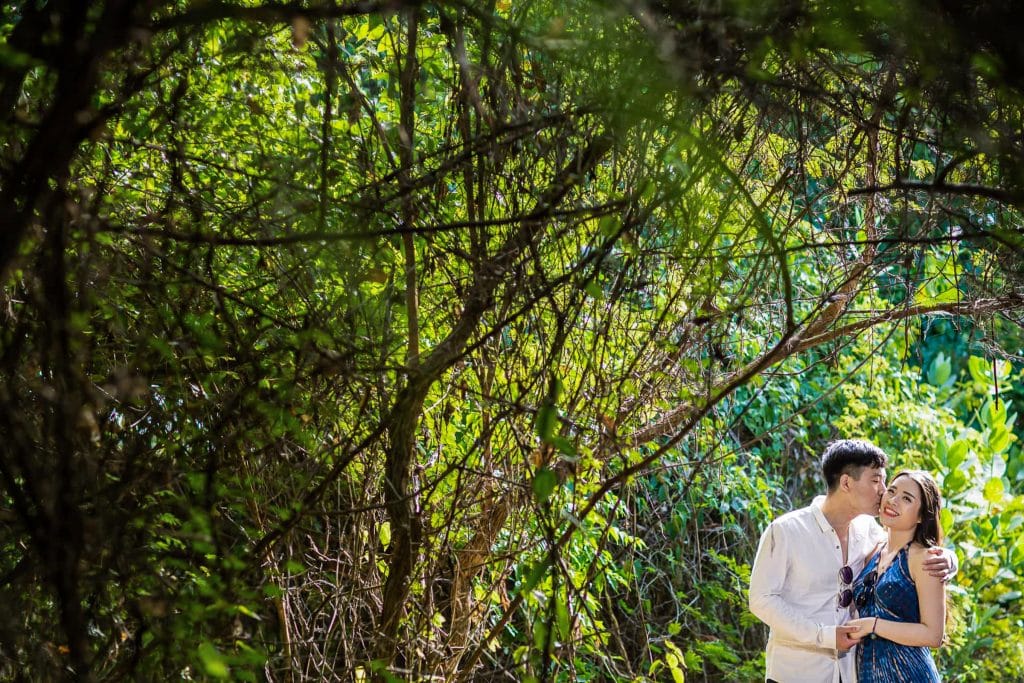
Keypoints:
(864, 626)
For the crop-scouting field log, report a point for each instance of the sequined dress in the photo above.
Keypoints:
(893, 596)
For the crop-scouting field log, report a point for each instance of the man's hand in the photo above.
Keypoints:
(844, 639)
(861, 627)
(940, 563)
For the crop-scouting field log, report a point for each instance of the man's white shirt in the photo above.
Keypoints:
(795, 587)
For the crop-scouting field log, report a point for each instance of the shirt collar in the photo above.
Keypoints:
(819, 516)
(856, 530)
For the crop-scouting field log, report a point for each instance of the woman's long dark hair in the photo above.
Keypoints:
(929, 531)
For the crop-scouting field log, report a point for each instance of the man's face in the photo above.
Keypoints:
(867, 489)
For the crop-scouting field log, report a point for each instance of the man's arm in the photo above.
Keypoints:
(939, 562)
(767, 601)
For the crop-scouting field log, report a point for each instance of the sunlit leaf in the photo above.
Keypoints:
(999, 439)
(994, 490)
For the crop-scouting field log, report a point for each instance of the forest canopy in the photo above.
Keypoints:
(479, 341)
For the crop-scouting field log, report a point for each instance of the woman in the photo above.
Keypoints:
(902, 608)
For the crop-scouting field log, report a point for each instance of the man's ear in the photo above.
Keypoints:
(844, 481)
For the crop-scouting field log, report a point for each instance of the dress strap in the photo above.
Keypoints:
(876, 551)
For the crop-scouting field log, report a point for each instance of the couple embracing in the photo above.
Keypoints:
(846, 599)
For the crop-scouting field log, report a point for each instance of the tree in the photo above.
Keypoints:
(330, 325)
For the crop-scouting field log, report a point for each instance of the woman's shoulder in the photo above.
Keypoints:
(916, 552)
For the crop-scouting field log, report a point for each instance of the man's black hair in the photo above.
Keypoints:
(849, 456)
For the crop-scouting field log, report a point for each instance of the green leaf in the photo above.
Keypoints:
(380, 668)
(13, 59)
(957, 454)
(608, 226)
(544, 483)
(999, 439)
(242, 609)
(564, 446)
(534, 576)
(994, 490)
(858, 215)
(980, 369)
(212, 661)
(562, 617)
(994, 414)
(384, 534)
(544, 424)
(540, 634)
(955, 481)
(946, 519)
(941, 450)
(924, 297)
(940, 370)
(676, 661)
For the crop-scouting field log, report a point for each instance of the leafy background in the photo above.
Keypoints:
(459, 341)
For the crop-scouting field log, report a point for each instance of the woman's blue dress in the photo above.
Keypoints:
(893, 597)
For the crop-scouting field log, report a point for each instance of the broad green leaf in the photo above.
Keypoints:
(980, 369)
(957, 453)
(994, 413)
(999, 439)
(544, 483)
(955, 481)
(940, 370)
(994, 490)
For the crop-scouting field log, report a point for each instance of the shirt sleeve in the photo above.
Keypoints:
(954, 564)
(768, 599)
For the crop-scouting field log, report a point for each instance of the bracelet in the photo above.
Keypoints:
(874, 626)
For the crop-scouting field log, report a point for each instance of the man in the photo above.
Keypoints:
(801, 581)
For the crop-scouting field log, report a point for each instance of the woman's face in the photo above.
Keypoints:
(901, 504)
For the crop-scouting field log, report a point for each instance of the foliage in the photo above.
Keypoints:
(408, 340)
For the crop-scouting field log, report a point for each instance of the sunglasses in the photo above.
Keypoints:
(846, 579)
(869, 589)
